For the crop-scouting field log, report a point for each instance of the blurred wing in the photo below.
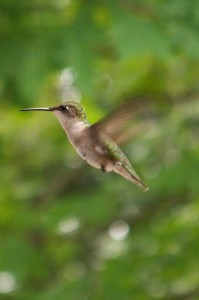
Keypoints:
(127, 121)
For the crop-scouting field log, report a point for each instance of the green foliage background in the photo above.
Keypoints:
(67, 231)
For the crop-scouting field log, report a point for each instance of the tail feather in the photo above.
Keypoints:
(130, 175)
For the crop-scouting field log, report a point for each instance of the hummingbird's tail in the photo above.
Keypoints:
(130, 175)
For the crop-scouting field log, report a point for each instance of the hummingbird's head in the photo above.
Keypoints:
(70, 110)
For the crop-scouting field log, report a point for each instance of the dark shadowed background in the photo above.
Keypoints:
(67, 230)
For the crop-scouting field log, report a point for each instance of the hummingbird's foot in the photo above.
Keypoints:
(103, 168)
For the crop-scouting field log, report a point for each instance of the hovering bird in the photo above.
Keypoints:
(98, 143)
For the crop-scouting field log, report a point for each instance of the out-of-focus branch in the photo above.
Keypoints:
(138, 9)
(186, 296)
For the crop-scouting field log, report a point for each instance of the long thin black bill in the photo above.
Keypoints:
(43, 109)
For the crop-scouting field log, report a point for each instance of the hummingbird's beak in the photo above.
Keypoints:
(42, 109)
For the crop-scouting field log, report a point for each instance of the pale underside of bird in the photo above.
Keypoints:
(98, 143)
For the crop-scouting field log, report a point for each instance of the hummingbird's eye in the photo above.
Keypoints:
(64, 107)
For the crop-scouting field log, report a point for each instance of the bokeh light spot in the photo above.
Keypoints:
(68, 226)
(119, 230)
(7, 282)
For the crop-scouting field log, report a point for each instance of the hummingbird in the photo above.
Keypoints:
(98, 143)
